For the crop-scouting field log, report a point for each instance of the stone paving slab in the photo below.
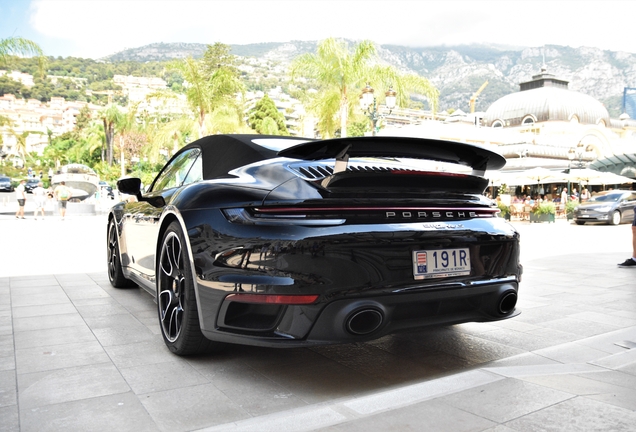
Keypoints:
(78, 354)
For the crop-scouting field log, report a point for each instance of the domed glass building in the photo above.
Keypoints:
(545, 98)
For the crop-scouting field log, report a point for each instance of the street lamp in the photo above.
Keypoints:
(368, 105)
(577, 153)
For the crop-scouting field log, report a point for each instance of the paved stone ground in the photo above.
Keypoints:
(77, 354)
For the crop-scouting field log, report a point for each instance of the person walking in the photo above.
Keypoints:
(62, 195)
(20, 193)
(631, 262)
(39, 194)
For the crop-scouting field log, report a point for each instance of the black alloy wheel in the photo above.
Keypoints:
(176, 302)
(115, 273)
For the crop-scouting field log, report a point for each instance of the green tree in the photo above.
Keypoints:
(219, 56)
(341, 74)
(208, 88)
(265, 113)
(110, 116)
(20, 46)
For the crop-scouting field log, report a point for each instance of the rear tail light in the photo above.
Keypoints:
(339, 215)
(272, 299)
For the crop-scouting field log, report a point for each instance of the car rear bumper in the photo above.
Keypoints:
(362, 318)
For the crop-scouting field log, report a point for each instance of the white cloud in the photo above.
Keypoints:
(95, 28)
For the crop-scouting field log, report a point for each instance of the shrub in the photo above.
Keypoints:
(546, 207)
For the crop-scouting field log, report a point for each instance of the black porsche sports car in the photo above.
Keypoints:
(288, 242)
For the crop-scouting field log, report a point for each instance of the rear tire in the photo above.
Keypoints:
(115, 273)
(615, 218)
(176, 302)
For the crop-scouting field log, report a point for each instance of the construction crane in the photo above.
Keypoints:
(473, 98)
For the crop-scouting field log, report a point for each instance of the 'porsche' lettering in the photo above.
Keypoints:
(441, 215)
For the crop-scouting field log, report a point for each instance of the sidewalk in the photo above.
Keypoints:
(77, 354)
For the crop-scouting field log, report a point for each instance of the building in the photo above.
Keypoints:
(547, 125)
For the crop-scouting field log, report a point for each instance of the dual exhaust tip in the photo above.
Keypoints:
(365, 321)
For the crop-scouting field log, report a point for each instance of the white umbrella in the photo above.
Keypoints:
(595, 178)
(541, 175)
(533, 176)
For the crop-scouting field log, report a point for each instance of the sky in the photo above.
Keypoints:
(97, 28)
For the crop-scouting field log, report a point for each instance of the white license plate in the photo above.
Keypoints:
(441, 263)
(585, 216)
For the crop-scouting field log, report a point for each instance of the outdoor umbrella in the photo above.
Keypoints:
(533, 176)
(595, 178)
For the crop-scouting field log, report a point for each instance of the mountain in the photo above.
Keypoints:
(457, 71)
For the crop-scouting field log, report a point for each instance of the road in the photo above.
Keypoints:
(77, 354)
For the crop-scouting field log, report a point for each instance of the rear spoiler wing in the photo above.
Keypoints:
(478, 158)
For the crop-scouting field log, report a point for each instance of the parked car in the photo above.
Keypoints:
(5, 184)
(107, 190)
(612, 207)
(281, 242)
(31, 184)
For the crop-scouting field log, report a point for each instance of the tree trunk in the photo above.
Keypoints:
(122, 161)
(344, 113)
(202, 130)
(108, 129)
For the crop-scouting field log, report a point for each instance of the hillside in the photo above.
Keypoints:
(458, 71)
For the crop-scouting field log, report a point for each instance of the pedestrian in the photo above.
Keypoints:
(39, 195)
(631, 262)
(20, 194)
(62, 194)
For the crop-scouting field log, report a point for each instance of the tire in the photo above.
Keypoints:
(615, 218)
(115, 273)
(176, 302)
(579, 222)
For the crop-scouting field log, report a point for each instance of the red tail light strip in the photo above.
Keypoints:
(304, 210)
(272, 299)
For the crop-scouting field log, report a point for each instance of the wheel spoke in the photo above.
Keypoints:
(112, 251)
(170, 259)
(171, 284)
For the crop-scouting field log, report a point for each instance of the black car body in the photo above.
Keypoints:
(285, 242)
(5, 184)
(612, 207)
(31, 184)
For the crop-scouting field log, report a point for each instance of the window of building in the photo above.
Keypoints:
(497, 124)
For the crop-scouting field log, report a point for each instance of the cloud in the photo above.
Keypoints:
(100, 27)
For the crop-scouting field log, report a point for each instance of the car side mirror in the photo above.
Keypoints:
(132, 186)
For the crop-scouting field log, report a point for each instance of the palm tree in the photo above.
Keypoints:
(341, 75)
(111, 116)
(20, 46)
(207, 91)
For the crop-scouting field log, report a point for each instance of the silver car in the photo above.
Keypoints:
(612, 207)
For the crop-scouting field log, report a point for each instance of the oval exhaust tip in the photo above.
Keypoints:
(364, 322)
(507, 302)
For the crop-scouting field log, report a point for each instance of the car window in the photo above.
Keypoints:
(606, 198)
(196, 172)
(174, 174)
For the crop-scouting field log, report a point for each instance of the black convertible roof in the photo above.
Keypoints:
(223, 153)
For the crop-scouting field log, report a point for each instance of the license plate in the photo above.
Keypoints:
(441, 263)
(585, 215)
